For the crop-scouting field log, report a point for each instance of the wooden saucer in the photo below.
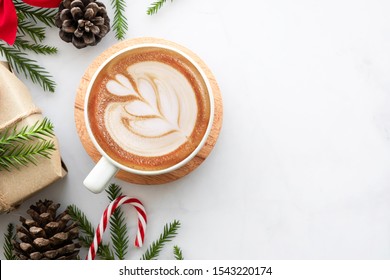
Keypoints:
(141, 179)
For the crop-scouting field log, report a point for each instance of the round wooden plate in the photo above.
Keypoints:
(141, 179)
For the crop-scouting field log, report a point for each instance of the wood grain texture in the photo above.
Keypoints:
(141, 179)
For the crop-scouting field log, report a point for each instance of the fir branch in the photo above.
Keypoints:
(82, 221)
(22, 155)
(29, 67)
(155, 248)
(23, 44)
(36, 131)
(15, 152)
(104, 252)
(155, 7)
(119, 235)
(113, 192)
(88, 231)
(25, 11)
(118, 229)
(8, 246)
(119, 25)
(178, 253)
(37, 33)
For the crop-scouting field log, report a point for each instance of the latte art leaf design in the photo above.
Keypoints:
(153, 112)
(121, 86)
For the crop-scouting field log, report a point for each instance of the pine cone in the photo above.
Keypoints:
(82, 22)
(46, 235)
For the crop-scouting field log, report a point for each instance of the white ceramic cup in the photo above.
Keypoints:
(97, 180)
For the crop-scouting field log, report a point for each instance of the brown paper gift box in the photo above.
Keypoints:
(17, 107)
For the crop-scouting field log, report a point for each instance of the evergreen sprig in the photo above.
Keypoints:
(24, 154)
(8, 246)
(18, 148)
(26, 45)
(178, 253)
(46, 16)
(113, 192)
(155, 7)
(88, 232)
(36, 33)
(30, 36)
(28, 67)
(119, 25)
(155, 248)
(36, 131)
(118, 228)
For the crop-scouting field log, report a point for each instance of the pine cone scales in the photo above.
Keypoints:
(82, 22)
(46, 235)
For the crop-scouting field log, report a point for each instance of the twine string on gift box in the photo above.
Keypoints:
(33, 111)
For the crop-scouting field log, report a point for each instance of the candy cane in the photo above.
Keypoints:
(142, 220)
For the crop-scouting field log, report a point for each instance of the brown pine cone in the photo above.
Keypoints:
(46, 235)
(82, 22)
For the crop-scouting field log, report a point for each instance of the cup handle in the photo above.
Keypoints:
(100, 175)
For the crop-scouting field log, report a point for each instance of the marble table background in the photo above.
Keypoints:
(302, 166)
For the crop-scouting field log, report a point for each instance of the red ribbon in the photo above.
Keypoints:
(9, 19)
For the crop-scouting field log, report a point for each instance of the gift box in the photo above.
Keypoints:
(18, 110)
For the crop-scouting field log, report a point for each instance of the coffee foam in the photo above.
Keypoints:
(161, 111)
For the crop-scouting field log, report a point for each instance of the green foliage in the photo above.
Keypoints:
(118, 228)
(88, 233)
(28, 67)
(22, 44)
(155, 248)
(36, 131)
(25, 154)
(155, 7)
(18, 148)
(36, 33)
(178, 253)
(25, 11)
(119, 25)
(8, 247)
(113, 192)
(30, 35)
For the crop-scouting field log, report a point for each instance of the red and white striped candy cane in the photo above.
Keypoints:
(142, 220)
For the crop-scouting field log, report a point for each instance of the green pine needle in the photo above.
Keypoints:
(104, 252)
(25, 11)
(15, 151)
(118, 229)
(119, 25)
(178, 253)
(22, 155)
(119, 235)
(155, 248)
(88, 232)
(23, 44)
(37, 33)
(8, 247)
(79, 217)
(29, 67)
(28, 19)
(36, 131)
(155, 7)
(113, 192)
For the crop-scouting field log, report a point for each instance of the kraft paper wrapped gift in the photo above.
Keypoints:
(17, 108)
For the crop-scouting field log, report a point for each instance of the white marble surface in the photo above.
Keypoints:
(302, 166)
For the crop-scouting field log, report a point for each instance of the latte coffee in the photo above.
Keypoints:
(149, 108)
